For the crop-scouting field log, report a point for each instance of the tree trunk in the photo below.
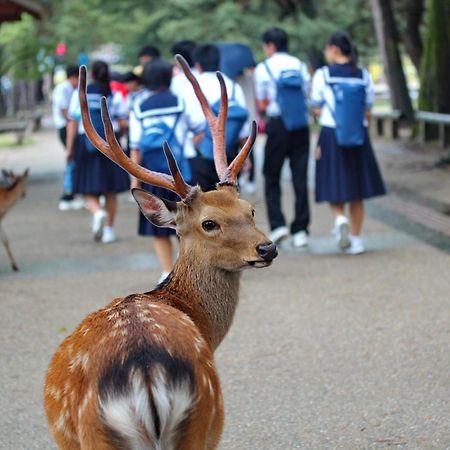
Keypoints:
(387, 36)
(435, 70)
(411, 37)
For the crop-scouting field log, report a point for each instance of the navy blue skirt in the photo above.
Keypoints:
(146, 228)
(95, 174)
(346, 174)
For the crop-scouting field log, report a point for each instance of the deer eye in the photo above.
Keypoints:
(210, 225)
(253, 213)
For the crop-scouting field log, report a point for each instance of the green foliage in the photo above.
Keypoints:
(435, 68)
(25, 49)
(134, 23)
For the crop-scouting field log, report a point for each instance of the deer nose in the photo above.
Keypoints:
(268, 252)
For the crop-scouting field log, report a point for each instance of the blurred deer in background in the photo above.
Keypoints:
(140, 373)
(8, 197)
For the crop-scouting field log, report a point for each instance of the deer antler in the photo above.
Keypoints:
(227, 174)
(114, 151)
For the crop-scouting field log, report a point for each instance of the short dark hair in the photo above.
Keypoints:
(157, 75)
(208, 56)
(130, 76)
(184, 48)
(100, 75)
(149, 50)
(72, 71)
(276, 36)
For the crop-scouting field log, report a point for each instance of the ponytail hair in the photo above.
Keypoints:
(343, 41)
(100, 74)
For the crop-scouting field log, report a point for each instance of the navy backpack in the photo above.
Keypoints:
(350, 107)
(237, 116)
(156, 131)
(95, 111)
(291, 98)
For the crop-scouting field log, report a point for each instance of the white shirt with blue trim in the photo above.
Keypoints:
(142, 119)
(117, 107)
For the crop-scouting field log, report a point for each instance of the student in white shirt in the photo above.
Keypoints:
(346, 168)
(62, 93)
(207, 62)
(282, 142)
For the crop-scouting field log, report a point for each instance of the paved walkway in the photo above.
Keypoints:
(327, 351)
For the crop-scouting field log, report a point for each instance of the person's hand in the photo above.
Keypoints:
(68, 154)
(318, 153)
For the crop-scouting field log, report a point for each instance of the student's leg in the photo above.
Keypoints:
(274, 156)
(356, 217)
(111, 208)
(337, 209)
(298, 159)
(163, 249)
(93, 203)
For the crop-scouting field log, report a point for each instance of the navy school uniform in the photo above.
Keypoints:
(151, 110)
(343, 174)
(94, 173)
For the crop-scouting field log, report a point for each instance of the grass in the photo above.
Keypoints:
(9, 140)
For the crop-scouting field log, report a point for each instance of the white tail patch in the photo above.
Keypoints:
(131, 417)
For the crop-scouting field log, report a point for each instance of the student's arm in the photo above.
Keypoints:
(317, 93)
(136, 157)
(370, 95)
(262, 80)
(72, 129)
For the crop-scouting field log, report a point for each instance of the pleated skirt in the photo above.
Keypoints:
(345, 174)
(95, 174)
(146, 228)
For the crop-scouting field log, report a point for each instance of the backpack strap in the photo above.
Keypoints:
(269, 71)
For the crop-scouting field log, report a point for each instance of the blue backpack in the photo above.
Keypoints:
(350, 107)
(237, 116)
(94, 102)
(291, 98)
(155, 131)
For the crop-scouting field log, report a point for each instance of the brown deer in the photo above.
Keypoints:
(140, 373)
(8, 197)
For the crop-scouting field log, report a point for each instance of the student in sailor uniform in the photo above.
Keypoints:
(281, 142)
(180, 84)
(207, 62)
(344, 174)
(96, 175)
(159, 109)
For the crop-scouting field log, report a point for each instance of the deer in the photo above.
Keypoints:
(8, 197)
(140, 373)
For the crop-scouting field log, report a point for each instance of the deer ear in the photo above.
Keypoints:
(159, 212)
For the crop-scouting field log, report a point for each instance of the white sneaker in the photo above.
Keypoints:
(98, 222)
(64, 205)
(356, 246)
(77, 203)
(249, 187)
(342, 231)
(163, 276)
(300, 239)
(278, 234)
(109, 235)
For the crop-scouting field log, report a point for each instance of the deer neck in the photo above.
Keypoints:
(8, 197)
(208, 295)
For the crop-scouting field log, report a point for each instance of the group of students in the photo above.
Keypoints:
(161, 106)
